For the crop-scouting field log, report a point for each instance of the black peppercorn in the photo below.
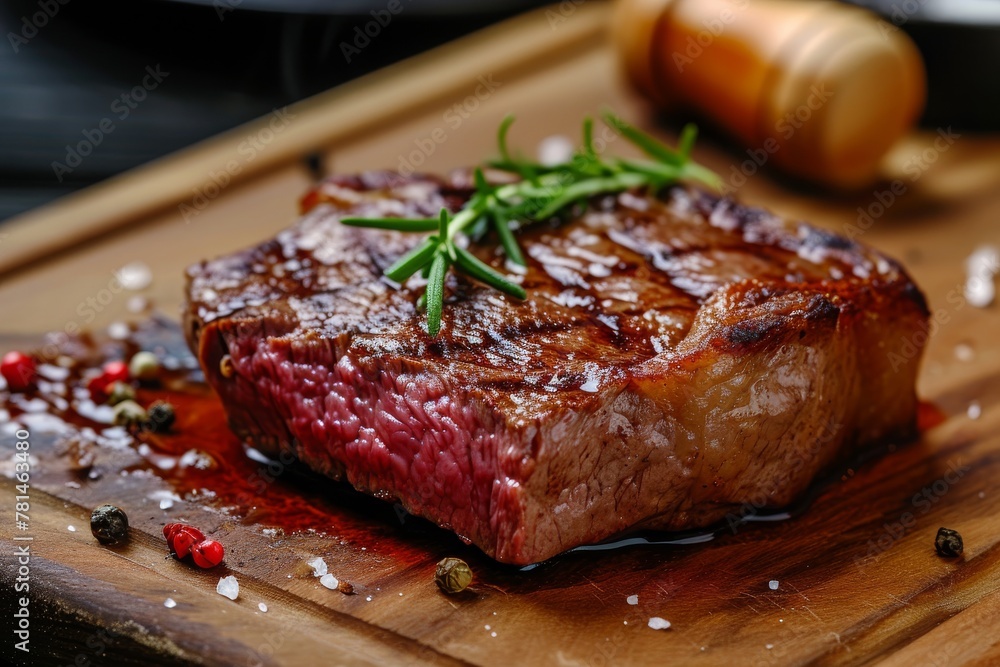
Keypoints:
(948, 543)
(109, 524)
(160, 417)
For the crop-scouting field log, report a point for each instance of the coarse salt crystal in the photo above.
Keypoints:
(964, 352)
(493, 634)
(71, 529)
(368, 599)
(166, 503)
(137, 304)
(515, 268)
(773, 584)
(228, 587)
(984, 259)
(119, 330)
(979, 290)
(318, 566)
(658, 623)
(768, 646)
(975, 410)
(981, 266)
(555, 149)
(169, 603)
(135, 276)
(632, 600)
(262, 607)
(329, 581)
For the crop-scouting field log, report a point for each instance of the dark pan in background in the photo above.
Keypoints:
(960, 43)
(228, 61)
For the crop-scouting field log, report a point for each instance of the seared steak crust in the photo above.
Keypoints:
(677, 356)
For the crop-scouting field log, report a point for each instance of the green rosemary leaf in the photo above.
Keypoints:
(586, 162)
(443, 220)
(686, 143)
(656, 172)
(507, 240)
(588, 138)
(505, 124)
(647, 143)
(482, 186)
(542, 191)
(435, 293)
(398, 224)
(593, 186)
(695, 172)
(412, 261)
(473, 266)
(527, 170)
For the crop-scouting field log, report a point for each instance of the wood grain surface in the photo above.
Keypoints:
(858, 580)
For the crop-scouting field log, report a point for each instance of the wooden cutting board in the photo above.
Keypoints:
(858, 581)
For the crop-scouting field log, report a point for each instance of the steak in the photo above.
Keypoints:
(678, 356)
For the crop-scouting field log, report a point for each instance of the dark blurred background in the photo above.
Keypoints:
(203, 66)
(66, 65)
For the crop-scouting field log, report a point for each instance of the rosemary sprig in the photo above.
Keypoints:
(544, 192)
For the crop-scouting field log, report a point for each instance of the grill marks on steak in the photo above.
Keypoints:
(675, 358)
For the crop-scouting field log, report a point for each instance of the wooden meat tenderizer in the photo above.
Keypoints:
(820, 89)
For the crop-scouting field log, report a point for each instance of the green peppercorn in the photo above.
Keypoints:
(129, 414)
(948, 543)
(453, 575)
(121, 391)
(160, 417)
(144, 366)
(109, 524)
